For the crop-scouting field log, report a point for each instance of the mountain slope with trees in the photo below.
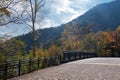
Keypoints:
(104, 16)
(101, 17)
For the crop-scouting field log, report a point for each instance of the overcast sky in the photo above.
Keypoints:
(60, 12)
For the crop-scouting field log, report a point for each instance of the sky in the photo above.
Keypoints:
(59, 12)
(63, 11)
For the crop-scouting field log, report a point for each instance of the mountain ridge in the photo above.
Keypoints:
(102, 14)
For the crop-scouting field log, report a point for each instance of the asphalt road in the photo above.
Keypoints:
(86, 69)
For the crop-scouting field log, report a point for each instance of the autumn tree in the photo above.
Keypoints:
(102, 39)
(68, 38)
(34, 14)
(71, 37)
(117, 40)
(40, 52)
(114, 42)
(54, 50)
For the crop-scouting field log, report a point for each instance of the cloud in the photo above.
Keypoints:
(61, 6)
(63, 11)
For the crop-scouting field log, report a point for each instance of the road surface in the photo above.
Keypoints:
(86, 69)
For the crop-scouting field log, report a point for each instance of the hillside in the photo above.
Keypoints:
(104, 17)
(45, 36)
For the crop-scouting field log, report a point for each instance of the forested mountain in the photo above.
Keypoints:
(103, 17)
(44, 36)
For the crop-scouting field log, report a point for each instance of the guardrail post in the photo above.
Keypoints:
(79, 56)
(60, 58)
(6, 69)
(69, 57)
(38, 62)
(75, 56)
(44, 62)
(19, 67)
(64, 57)
(30, 65)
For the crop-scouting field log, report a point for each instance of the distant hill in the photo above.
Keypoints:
(45, 36)
(104, 17)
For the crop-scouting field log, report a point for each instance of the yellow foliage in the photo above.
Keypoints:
(5, 11)
(107, 37)
(52, 50)
(40, 52)
(118, 29)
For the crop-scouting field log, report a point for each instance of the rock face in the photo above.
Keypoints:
(87, 69)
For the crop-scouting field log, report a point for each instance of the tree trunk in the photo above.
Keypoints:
(34, 41)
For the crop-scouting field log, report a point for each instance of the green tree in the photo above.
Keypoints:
(15, 48)
(3, 55)
(89, 42)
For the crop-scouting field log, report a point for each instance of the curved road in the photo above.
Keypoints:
(87, 69)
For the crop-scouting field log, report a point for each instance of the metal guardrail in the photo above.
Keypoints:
(71, 56)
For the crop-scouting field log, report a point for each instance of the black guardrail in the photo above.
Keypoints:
(17, 68)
